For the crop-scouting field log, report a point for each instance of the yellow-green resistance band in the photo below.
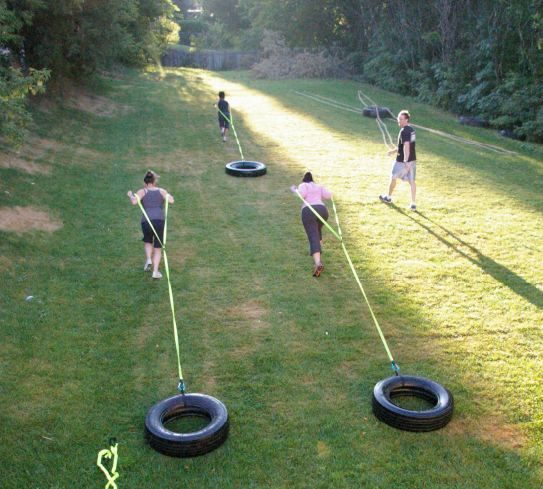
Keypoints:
(231, 122)
(339, 236)
(181, 386)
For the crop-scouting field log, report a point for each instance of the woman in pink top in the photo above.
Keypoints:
(313, 194)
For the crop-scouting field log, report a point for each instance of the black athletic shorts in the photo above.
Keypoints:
(149, 235)
(223, 122)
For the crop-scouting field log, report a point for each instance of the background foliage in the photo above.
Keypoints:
(72, 38)
(475, 57)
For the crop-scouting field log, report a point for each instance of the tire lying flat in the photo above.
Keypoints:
(384, 112)
(246, 169)
(410, 386)
(191, 444)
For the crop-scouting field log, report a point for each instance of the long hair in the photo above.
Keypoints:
(307, 177)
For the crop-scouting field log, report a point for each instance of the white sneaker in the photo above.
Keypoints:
(157, 275)
(385, 198)
(147, 266)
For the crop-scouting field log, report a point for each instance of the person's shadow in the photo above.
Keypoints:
(507, 277)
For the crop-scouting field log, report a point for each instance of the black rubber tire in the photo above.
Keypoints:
(384, 112)
(473, 121)
(510, 133)
(192, 444)
(404, 419)
(246, 169)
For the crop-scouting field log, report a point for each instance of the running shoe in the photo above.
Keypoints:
(385, 198)
(318, 270)
(157, 275)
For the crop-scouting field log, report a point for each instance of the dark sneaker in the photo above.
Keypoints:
(413, 207)
(318, 270)
(385, 199)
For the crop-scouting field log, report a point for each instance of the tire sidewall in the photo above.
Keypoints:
(234, 168)
(195, 404)
(434, 418)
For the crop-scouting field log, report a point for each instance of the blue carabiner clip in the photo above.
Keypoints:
(395, 367)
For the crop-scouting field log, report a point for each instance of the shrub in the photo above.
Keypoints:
(279, 61)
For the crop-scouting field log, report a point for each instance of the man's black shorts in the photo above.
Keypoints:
(223, 122)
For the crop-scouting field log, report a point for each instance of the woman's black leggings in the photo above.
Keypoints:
(313, 226)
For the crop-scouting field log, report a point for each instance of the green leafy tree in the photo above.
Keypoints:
(76, 37)
(17, 80)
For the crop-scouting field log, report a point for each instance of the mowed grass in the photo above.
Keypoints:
(457, 288)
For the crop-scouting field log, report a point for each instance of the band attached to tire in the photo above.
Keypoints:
(191, 444)
(390, 413)
(245, 168)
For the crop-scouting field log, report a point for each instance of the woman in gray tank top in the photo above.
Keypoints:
(152, 198)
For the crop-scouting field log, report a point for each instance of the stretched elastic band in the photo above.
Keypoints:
(231, 122)
(167, 268)
(339, 236)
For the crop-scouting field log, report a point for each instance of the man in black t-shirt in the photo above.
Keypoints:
(405, 165)
(224, 115)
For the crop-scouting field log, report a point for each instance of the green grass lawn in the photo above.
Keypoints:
(457, 288)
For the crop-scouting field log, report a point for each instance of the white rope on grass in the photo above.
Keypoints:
(387, 139)
(453, 137)
(337, 105)
(335, 102)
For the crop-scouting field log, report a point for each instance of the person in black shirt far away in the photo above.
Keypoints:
(224, 115)
(405, 165)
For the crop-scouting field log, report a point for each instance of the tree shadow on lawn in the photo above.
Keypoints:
(502, 274)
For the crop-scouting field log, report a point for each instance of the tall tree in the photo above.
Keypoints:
(17, 79)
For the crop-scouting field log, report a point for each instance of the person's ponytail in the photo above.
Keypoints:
(150, 177)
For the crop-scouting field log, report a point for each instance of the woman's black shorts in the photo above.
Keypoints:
(149, 235)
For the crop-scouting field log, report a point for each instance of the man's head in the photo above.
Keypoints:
(403, 118)
(221, 95)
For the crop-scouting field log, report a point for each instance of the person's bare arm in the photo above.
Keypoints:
(406, 151)
(132, 196)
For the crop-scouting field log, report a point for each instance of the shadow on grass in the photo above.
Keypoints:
(502, 274)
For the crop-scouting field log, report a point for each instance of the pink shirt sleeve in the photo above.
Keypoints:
(326, 194)
(302, 188)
